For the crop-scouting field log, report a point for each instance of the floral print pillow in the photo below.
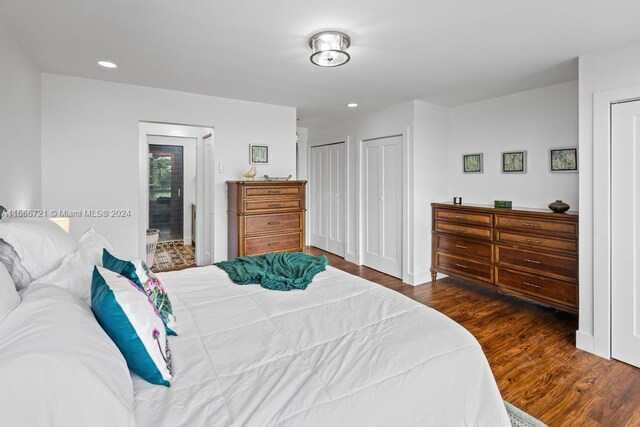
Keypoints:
(137, 271)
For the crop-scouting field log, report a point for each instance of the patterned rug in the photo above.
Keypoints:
(519, 418)
(174, 254)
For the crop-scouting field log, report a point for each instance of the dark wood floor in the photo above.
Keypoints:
(532, 353)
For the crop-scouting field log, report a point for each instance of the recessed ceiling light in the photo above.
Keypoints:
(107, 64)
(352, 105)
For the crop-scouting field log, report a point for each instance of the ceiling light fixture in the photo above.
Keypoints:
(107, 64)
(352, 105)
(329, 48)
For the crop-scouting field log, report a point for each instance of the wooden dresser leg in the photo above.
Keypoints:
(434, 276)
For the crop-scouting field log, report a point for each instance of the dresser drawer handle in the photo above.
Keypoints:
(273, 244)
(531, 284)
(273, 223)
(275, 205)
(532, 261)
(273, 191)
(461, 247)
(461, 266)
(461, 217)
(533, 242)
(461, 230)
(531, 224)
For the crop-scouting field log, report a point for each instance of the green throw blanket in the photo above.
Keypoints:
(279, 271)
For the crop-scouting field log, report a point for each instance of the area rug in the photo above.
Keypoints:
(174, 254)
(519, 418)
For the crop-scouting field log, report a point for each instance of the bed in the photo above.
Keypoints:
(343, 352)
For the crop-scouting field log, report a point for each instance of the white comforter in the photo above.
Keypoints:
(344, 352)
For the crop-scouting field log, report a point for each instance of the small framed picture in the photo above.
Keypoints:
(563, 159)
(514, 162)
(258, 154)
(472, 163)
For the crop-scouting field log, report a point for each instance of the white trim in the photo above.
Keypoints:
(602, 101)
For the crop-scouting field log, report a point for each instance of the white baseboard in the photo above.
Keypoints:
(585, 341)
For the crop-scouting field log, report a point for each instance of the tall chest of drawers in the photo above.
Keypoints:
(527, 253)
(265, 216)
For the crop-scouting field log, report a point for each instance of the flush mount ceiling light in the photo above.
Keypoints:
(107, 64)
(329, 48)
(352, 105)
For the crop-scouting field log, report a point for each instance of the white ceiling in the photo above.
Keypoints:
(448, 52)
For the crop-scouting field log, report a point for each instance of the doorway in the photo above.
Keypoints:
(177, 195)
(382, 204)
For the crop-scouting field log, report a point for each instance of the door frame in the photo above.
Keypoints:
(146, 128)
(404, 177)
(599, 342)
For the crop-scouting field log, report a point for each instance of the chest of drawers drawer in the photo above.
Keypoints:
(556, 266)
(260, 224)
(271, 205)
(538, 286)
(464, 230)
(538, 241)
(464, 247)
(537, 226)
(273, 243)
(252, 192)
(475, 218)
(465, 267)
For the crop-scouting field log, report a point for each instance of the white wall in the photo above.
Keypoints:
(20, 159)
(189, 175)
(90, 147)
(534, 121)
(600, 71)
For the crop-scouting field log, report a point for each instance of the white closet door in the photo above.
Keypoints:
(382, 213)
(335, 198)
(625, 232)
(317, 206)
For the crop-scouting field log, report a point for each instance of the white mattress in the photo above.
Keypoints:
(344, 352)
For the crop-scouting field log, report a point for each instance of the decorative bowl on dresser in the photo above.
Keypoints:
(265, 216)
(528, 253)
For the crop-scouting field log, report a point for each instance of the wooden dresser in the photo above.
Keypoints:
(528, 253)
(265, 216)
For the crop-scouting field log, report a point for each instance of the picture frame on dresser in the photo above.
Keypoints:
(514, 162)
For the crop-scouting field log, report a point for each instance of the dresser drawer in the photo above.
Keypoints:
(272, 191)
(559, 267)
(464, 230)
(537, 241)
(463, 247)
(465, 267)
(535, 225)
(465, 217)
(275, 243)
(272, 205)
(534, 285)
(255, 224)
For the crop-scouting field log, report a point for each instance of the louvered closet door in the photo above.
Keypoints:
(382, 210)
(328, 187)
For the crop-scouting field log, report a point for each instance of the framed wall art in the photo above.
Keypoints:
(258, 154)
(563, 159)
(472, 163)
(514, 162)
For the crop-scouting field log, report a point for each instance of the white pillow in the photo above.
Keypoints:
(58, 367)
(74, 273)
(9, 298)
(40, 243)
